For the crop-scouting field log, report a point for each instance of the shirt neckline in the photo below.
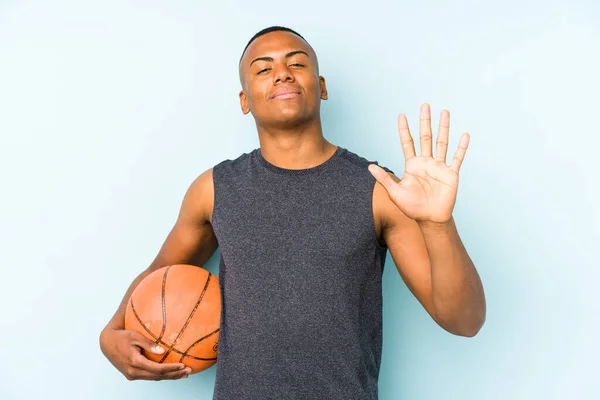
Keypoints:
(303, 171)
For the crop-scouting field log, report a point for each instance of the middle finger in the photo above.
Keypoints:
(425, 130)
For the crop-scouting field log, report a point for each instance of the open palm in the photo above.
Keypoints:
(428, 188)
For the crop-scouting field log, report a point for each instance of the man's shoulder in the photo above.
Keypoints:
(232, 162)
(360, 160)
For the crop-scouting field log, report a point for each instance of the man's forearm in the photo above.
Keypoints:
(458, 294)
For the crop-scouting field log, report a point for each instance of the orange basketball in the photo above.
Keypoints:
(179, 308)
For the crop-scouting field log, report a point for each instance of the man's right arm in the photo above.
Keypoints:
(191, 241)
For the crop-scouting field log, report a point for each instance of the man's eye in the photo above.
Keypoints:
(297, 64)
(262, 70)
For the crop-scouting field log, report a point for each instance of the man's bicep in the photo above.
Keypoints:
(192, 239)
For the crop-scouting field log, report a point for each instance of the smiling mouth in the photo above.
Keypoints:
(284, 96)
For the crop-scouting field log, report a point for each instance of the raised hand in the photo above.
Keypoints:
(427, 190)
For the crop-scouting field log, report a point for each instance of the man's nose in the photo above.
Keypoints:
(283, 74)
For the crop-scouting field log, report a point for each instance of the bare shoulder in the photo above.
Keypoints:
(192, 239)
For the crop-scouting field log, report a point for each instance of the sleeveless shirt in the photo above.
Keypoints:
(300, 280)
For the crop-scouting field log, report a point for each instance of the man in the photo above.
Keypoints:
(304, 227)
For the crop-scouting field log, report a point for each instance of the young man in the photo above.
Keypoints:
(304, 227)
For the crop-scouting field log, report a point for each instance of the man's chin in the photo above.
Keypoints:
(287, 120)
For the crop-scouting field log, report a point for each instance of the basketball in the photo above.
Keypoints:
(179, 308)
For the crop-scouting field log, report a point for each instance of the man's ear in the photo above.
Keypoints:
(323, 88)
(244, 102)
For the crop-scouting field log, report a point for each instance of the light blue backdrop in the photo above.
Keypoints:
(109, 109)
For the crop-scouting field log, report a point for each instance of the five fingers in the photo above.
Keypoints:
(426, 137)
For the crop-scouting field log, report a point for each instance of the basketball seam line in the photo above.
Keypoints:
(189, 317)
(163, 306)
(161, 342)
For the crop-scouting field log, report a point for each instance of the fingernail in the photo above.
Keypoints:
(186, 376)
(181, 366)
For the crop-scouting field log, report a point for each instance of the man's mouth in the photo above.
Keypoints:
(285, 92)
(287, 95)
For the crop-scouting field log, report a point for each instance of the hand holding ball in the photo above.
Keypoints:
(178, 307)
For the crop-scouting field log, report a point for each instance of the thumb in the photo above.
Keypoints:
(382, 177)
(146, 344)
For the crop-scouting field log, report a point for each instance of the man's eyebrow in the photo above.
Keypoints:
(288, 55)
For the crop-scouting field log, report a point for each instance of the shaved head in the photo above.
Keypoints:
(244, 63)
(267, 30)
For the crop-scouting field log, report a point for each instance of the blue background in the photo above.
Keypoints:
(110, 109)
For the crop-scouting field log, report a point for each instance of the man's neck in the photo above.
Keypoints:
(298, 148)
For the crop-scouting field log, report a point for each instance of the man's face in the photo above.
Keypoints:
(280, 79)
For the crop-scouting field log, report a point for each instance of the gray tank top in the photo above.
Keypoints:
(300, 279)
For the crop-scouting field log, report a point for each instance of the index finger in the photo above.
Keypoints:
(406, 140)
(146, 364)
